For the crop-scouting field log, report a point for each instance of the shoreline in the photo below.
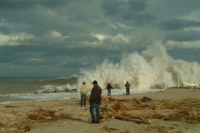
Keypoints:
(45, 100)
(65, 95)
(70, 117)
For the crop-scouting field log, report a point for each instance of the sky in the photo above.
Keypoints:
(62, 37)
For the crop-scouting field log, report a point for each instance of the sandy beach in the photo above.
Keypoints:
(67, 116)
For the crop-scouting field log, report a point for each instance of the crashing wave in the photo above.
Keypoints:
(153, 68)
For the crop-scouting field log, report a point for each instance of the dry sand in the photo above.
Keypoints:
(68, 117)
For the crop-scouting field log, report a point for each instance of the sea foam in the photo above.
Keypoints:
(152, 68)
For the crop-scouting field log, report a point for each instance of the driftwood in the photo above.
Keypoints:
(27, 129)
(120, 107)
(146, 99)
(117, 112)
(16, 126)
(2, 125)
(132, 119)
(42, 115)
(163, 129)
(109, 130)
(111, 114)
(181, 110)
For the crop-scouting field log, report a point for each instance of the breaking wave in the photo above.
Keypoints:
(153, 68)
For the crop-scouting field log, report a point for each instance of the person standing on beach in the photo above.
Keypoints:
(127, 85)
(95, 101)
(109, 87)
(83, 90)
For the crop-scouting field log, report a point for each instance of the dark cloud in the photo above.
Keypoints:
(5, 29)
(183, 36)
(141, 18)
(39, 19)
(134, 10)
(110, 7)
(175, 24)
(36, 22)
(53, 55)
(45, 60)
(41, 70)
(167, 9)
(137, 5)
(22, 4)
(188, 54)
(53, 37)
(9, 54)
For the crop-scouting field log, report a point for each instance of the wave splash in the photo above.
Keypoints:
(153, 68)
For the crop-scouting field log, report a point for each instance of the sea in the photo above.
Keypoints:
(18, 89)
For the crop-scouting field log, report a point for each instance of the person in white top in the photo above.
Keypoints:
(83, 90)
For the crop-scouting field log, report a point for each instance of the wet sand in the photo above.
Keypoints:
(70, 117)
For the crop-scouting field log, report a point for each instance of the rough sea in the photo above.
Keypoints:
(30, 88)
(16, 89)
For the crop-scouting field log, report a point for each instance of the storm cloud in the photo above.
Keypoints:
(59, 37)
(134, 10)
(176, 24)
(183, 36)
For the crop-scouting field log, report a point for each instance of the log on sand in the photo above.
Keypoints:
(132, 119)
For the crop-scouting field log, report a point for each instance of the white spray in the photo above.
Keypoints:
(153, 68)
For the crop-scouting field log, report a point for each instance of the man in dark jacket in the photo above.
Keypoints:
(95, 101)
(109, 87)
(127, 85)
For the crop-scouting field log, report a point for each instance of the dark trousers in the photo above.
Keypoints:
(109, 92)
(83, 99)
(127, 91)
(97, 108)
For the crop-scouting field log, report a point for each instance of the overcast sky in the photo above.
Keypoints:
(60, 37)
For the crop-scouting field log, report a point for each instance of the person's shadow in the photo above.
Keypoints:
(69, 117)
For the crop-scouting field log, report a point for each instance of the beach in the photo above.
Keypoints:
(67, 116)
